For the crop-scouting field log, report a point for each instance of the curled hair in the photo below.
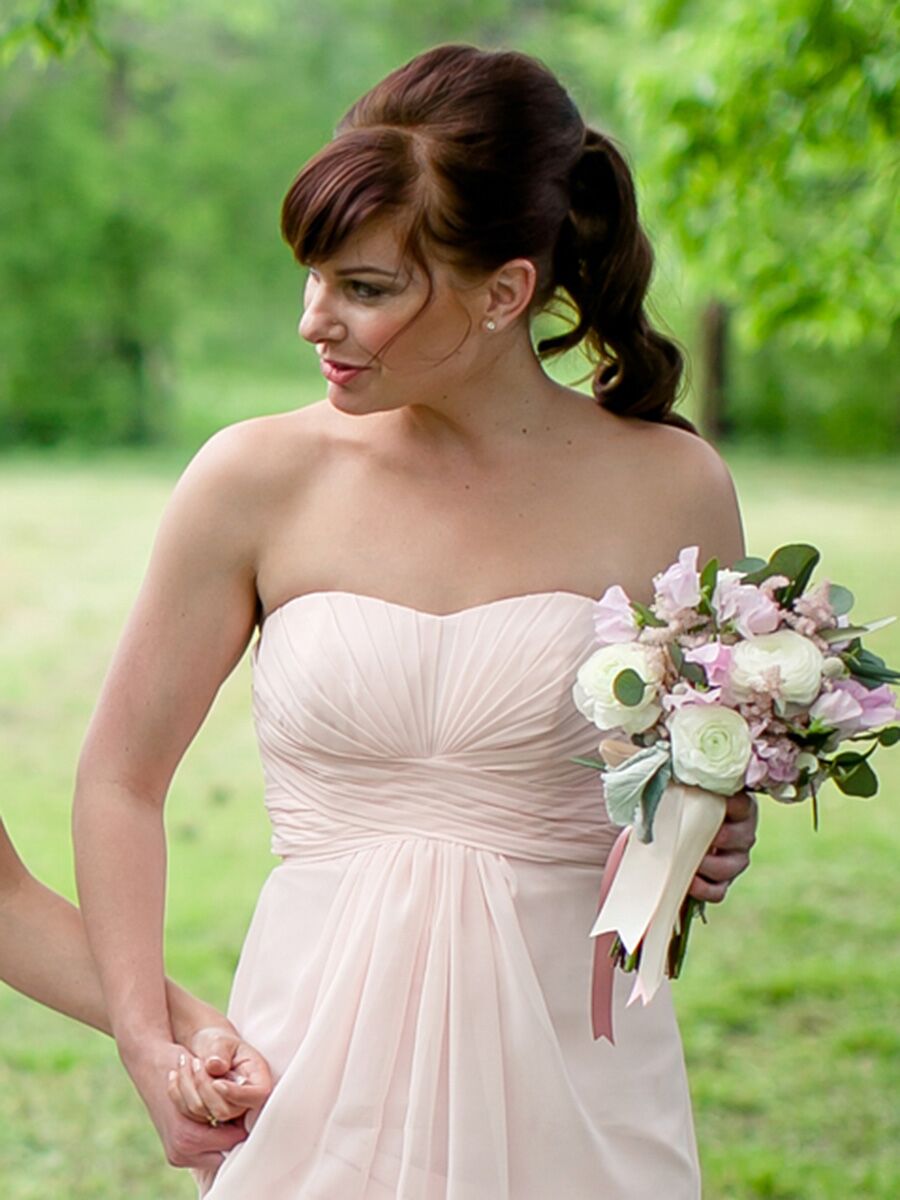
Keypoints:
(483, 157)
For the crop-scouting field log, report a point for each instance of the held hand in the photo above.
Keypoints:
(222, 1078)
(729, 853)
(186, 1142)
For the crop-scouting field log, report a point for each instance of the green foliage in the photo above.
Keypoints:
(853, 775)
(765, 140)
(140, 189)
(795, 562)
(769, 136)
(49, 28)
(628, 687)
(840, 598)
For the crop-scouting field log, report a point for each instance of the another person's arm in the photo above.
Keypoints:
(44, 954)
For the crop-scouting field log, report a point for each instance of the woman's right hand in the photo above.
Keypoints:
(222, 1078)
(186, 1142)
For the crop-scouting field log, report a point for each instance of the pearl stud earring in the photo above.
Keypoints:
(490, 325)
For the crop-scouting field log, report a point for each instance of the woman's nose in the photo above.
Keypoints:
(318, 323)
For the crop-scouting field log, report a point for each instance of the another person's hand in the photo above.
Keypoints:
(186, 1142)
(729, 853)
(221, 1078)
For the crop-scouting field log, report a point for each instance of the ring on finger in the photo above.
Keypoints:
(213, 1121)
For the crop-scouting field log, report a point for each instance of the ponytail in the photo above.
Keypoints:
(603, 261)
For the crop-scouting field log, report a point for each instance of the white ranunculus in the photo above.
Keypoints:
(797, 660)
(711, 747)
(593, 690)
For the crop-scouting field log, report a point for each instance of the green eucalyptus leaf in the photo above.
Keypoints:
(858, 781)
(796, 561)
(596, 763)
(840, 598)
(693, 673)
(708, 576)
(623, 786)
(746, 565)
(649, 802)
(646, 616)
(628, 687)
(889, 736)
(847, 760)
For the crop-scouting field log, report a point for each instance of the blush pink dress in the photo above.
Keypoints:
(418, 967)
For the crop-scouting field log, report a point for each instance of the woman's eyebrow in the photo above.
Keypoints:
(366, 270)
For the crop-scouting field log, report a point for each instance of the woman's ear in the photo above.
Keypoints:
(508, 293)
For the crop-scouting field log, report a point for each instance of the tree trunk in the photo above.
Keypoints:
(714, 420)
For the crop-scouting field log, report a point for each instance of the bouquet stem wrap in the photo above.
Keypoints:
(644, 885)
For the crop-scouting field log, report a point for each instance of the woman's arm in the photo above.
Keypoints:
(191, 623)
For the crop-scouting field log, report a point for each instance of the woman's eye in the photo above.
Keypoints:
(365, 291)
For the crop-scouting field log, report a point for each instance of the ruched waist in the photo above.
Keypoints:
(320, 827)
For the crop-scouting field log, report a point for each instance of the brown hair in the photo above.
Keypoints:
(486, 158)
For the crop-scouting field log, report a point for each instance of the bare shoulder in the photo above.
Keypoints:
(669, 487)
(692, 490)
(235, 478)
(257, 454)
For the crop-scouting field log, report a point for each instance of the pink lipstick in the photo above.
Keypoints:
(339, 373)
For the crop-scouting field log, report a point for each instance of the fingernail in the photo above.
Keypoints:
(171, 1076)
(196, 1064)
(181, 1060)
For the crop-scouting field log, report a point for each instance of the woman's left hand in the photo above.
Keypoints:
(221, 1079)
(729, 853)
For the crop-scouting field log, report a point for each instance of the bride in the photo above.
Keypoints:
(419, 552)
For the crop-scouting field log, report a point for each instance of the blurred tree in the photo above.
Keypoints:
(140, 191)
(766, 137)
(49, 27)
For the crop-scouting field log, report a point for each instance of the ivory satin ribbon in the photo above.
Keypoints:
(643, 887)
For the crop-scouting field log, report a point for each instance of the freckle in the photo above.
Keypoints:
(467, 487)
(524, 430)
(568, 441)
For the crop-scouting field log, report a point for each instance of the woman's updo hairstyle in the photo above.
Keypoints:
(485, 158)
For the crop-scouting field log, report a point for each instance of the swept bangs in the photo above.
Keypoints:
(361, 175)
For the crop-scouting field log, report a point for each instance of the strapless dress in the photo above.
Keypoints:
(418, 967)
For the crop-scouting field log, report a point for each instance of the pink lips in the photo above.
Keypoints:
(339, 373)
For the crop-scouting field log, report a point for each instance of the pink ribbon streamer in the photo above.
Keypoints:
(604, 967)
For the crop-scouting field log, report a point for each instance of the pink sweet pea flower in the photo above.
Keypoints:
(878, 706)
(613, 617)
(838, 710)
(747, 606)
(682, 694)
(715, 658)
(757, 771)
(678, 587)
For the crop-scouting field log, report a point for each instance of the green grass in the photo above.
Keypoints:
(789, 1002)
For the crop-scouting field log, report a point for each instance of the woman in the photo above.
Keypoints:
(45, 955)
(419, 552)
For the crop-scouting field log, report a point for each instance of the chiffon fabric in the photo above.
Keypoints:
(418, 968)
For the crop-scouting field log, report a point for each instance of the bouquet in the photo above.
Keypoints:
(731, 679)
